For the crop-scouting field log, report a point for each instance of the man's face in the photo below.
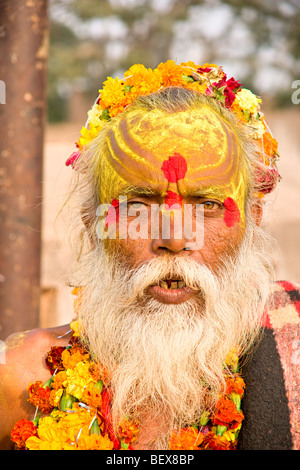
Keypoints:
(191, 158)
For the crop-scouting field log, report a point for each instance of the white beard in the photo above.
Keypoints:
(164, 358)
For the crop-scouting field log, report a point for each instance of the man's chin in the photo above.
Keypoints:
(171, 296)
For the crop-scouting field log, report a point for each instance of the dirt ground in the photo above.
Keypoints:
(282, 214)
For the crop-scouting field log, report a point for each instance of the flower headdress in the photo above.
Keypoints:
(208, 79)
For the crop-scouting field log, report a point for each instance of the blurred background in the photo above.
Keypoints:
(54, 56)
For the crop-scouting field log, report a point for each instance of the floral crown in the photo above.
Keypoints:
(208, 79)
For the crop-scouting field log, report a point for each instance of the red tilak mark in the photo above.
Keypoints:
(232, 213)
(174, 168)
(112, 213)
(172, 198)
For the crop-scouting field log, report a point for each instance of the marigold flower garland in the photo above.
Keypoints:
(208, 79)
(73, 408)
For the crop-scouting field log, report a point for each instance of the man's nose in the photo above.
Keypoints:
(170, 244)
(173, 239)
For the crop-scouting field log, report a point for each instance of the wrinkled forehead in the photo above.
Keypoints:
(140, 142)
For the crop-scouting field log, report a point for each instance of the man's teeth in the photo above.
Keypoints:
(172, 284)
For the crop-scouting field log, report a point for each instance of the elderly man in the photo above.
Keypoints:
(182, 339)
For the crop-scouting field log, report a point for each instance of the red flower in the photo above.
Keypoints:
(227, 414)
(39, 396)
(53, 359)
(204, 69)
(73, 158)
(22, 430)
(230, 88)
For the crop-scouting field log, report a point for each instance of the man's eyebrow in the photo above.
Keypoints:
(209, 191)
(133, 190)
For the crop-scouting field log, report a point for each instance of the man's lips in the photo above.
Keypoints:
(171, 291)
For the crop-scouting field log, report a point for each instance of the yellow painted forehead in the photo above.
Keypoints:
(138, 144)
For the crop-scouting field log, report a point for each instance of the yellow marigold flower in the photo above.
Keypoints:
(95, 442)
(77, 379)
(76, 328)
(87, 135)
(231, 435)
(247, 100)
(55, 397)
(113, 97)
(232, 359)
(210, 66)
(50, 435)
(34, 443)
(196, 86)
(73, 423)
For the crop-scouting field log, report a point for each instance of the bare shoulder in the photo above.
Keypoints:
(31, 346)
(24, 363)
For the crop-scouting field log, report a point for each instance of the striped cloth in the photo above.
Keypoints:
(271, 404)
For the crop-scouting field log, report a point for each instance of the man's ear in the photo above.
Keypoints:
(257, 211)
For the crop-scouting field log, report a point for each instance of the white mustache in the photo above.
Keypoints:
(192, 273)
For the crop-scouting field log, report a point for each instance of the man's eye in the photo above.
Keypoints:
(136, 204)
(210, 205)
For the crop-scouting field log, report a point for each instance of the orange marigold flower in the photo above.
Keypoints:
(95, 371)
(58, 380)
(236, 108)
(57, 388)
(77, 345)
(105, 376)
(270, 145)
(190, 64)
(212, 441)
(22, 430)
(185, 439)
(39, 396)
(128, 430)
(227, 414)
(91, 396)
(171, 73)
(142, 80)
(196, 86)
(235, 384)
(71, 358)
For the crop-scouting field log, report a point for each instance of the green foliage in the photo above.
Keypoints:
(94, 39)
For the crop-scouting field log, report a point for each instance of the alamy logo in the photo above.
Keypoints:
(125, 221)
(296, 94)
(2, 92)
